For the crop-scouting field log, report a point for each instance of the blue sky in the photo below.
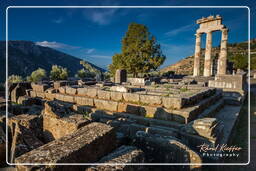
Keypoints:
(96, 34)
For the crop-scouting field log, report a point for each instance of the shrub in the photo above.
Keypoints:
(37, 75)
(15, 79)
(58, 73)
(85, 74)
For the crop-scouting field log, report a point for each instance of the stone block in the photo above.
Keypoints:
(120, 76)
(62, 90)
(122, 155)
(58, 84)
(71, 91)
(82, 91)
(104, 94)
(39, 87)
(106, 104)
(50, 96)
(51, 90)
(116, 96)
(122, 89)
(173, 102)
(84, 101)
(68, 98)
(23, 141)
(40, 94)
(78, 147)
(92, 92)
(131, 97)
(59, 96)
(16, 92)
(129, 108)
(152, 100)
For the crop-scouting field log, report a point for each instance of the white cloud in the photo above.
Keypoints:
(88, 51)
(179, 30)
(100, 16)
(56, 45)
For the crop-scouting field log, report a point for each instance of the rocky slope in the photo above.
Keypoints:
(26, 56)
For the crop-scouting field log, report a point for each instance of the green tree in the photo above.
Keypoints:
(58, 73)
(37, 75)
(140, 52)
(82, 73)
(240, 61)
(15, 79)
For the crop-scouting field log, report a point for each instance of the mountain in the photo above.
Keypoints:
(237, 54)
(26, 56)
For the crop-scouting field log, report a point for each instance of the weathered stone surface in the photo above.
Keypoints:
(106, 105)
(29, 101)
(152, 100)
(51, 90)
(71, 90)
(116, 96)
(62, 90)
(129, 108)
(82, 91)
(23, 140)
(18, 91)
(29, 121)
(84, 101)
(104, 94)
(122, 155)
(39, 87)
(209, 128)
(58, 84)
(173, 103)
(82, 109)
(92, 92)
(167, 150)
(59, 120)
(50, 96)
(78, 147)
(69, 98)
(122, 89)
(120, 76)
(131, 97)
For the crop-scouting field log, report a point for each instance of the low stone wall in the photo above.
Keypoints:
(235, 82)
(70, 149)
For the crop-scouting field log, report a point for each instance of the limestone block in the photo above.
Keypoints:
(106, 104)
(68, 98)
(152, 100)
(40, 94)
(84, 101)
(58, 84)
(59, 96)
(39, 87)
(51, 90)
(23, 141)
(32, 93)
(82, 91)
(116, 96)
(104, 94)
(78, 147)
(62, 90)
(122, 89)
(167, 150)
(129, 108)
(122, 155)
(173, 103)
(50, 96)
(131, 97)
(17, 92)
(92, 92)
(71, 90)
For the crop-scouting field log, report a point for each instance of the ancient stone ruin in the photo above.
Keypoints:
(208, 26)
(135, 120)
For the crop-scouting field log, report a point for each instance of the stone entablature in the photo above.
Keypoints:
(207, 26)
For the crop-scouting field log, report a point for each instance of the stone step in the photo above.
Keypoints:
(213, 109)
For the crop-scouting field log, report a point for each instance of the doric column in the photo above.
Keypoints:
(196, 71)
(207, 59)
(222, 61)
